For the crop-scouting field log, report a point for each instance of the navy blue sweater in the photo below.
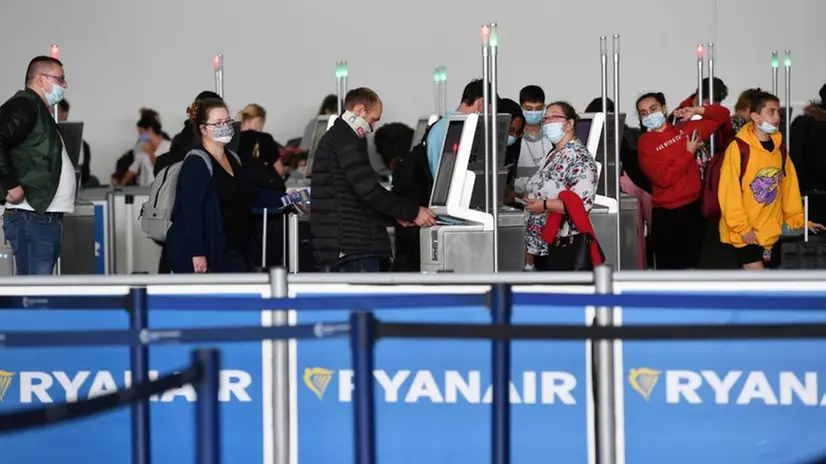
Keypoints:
(197, 224)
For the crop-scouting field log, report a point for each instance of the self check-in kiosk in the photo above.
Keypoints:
(421, 127)
(462, 240)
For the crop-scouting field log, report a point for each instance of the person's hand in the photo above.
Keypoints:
(404, 223)
(688, 112)
(199, 264)
(751, 237)
(535, 206)
(816, 227)
(15, 195)
(426, 218)
(694, 145)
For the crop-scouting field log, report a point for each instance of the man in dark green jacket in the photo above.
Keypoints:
(37, 176)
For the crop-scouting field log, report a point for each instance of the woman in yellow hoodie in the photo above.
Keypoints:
(756, 202)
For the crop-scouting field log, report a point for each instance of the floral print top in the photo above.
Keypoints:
(568, 168)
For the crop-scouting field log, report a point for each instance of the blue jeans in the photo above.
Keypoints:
(359, 265)
(35, 239)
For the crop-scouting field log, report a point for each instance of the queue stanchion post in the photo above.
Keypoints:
(501, 312)
(281, 373)
(604, 378)
(207, 408)
(138, 305)
(264, 238)
(362, 344)
(294, 243)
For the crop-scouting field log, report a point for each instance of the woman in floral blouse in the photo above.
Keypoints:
(568, 167)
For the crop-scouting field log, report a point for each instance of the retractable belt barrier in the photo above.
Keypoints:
(364, 329)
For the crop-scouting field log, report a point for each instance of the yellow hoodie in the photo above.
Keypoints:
(765, 200)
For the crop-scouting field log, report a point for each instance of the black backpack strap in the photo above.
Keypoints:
(423, 141)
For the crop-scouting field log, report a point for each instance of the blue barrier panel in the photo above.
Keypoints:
(433, 398)
(100, 239)
(30, 377)
(240, 394)
(723, 402)
(34, 377)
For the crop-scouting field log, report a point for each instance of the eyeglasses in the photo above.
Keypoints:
(554, 118)
(226, 122)
(60, 79)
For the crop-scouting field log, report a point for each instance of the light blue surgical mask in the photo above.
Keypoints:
(56, 95)
(654, 120)
(143, 137)
(223, 134)
(533, 118)
(512, 139)
(553, 131)
(768, 128)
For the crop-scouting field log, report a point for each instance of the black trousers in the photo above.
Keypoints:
(678, 236)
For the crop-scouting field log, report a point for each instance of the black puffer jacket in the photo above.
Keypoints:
(350, 208)
(808, 147)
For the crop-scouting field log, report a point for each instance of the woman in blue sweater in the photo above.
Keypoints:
(211, 220)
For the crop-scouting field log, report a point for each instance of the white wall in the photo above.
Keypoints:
(122, 55)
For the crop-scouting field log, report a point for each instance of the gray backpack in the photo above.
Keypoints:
(156, 213)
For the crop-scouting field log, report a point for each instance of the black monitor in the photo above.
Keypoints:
(319, 130)
(421, 128)
(477, 154)
(583, 129)
(72, 134)
(447, 163)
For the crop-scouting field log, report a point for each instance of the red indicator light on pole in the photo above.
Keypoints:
(700, 51)
(485, 34)
(55, 50)
(218, 62)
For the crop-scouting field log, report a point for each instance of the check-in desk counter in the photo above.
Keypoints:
(633, 243)
(468, 248)
(129, 249)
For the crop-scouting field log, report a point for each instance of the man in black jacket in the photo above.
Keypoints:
(349, 205)
(37, 175)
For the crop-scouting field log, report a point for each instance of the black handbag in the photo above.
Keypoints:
(572, 253)
(803, 251)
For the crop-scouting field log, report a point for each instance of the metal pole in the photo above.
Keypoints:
(345, 77)
(486, 108)
(444, 91)
(603, 58)
(775, 70)
(129, 200)
(700, 74)
(806, 218)
(362, 341)
(139, 367)
(494, 137)
(787, 64)
(281, 373)
(436, 91)
(292, 236)
(55, 52)
(207, 409)
(501, 311)
(264, 239)
(604, 360)
(617, 164)
(339, 82)
(218, 64)
(711, 89)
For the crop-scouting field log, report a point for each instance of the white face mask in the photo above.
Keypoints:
(357, 123)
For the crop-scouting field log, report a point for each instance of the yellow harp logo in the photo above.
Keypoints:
(643, 380)
(6, 379)
(317, 379)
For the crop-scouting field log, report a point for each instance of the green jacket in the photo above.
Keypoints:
(30, 149)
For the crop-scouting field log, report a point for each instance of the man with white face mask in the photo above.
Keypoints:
(37, 176)
(350, 208)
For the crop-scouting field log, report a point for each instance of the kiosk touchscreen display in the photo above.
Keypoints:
(447, 163)
(477, 153)
(72, 134)
(583, 129)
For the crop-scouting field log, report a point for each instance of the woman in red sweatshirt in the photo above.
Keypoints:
(667, 156)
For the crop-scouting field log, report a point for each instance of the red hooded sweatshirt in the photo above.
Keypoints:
(673, 170)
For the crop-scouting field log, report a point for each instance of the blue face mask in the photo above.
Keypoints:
(143, 137)
(512, 139)
(56, 95)
(654, 121)
(533, 118)
(768, 128)
(553, 131)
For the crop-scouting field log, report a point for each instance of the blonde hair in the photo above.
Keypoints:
(252, 111)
